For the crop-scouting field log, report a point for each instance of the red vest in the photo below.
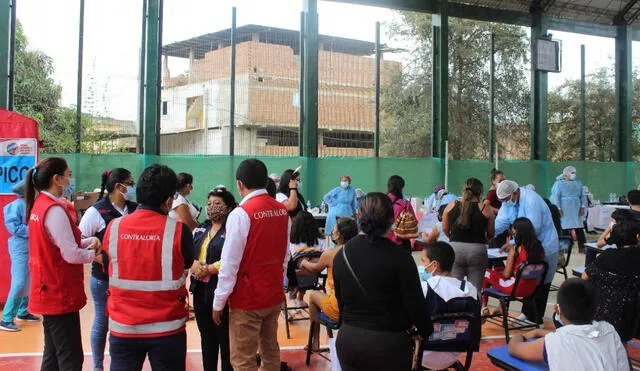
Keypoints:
(57, 287)
(259, 278)
(147, 294)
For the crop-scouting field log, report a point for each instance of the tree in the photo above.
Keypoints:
(406, 99)
(37, 95)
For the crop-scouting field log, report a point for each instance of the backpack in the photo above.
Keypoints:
(406, 224)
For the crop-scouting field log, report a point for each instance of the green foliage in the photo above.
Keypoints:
(406, 98)
(37, 95)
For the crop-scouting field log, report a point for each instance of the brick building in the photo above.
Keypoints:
(195, 104)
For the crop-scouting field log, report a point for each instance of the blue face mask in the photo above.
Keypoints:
(572, 176)
(424, 274)
(344, 185)
(69, 190)
(509, 202)
(131, 193)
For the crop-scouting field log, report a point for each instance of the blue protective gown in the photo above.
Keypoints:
(533, 207)
(342, 202)
(568, 196)
(16, 224)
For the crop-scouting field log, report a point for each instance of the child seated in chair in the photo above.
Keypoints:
(436, 233)
(445, 294)
(581, 343)
(305, 239)
(527, 248)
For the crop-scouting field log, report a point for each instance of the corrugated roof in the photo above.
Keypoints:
(272, 35)
(594, 11)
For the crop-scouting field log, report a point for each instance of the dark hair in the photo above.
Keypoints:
(225, 195)
(112, 177)
(184, 179)
(578, 301)
(442, 253)
(525, 235)
(494, 174)
(347, 227)
(271, 187)
(472, 188)
(283, 187)
(305, 230)
(376, 215)
(624, 233)
(633, 197)
(621, 215)
(395, 185)
(44, 172)
(156, 184)
(252, 173)
(441, 210)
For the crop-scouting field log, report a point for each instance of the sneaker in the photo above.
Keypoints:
(28, 318)
(9, 326)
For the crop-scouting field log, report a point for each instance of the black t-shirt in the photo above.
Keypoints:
(624, 261)
(475, 232)
(635, 215)
(390, 277)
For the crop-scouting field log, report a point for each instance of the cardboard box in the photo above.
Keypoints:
(84, 200)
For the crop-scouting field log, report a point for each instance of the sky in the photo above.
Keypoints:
(113, 29)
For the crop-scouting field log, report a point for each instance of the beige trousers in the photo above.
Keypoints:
(250, 330)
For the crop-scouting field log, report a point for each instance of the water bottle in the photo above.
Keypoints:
(610, 197)
(615, 197)
(308, 205)
(323, 206)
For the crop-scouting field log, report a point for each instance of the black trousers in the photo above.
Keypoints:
(166, 353)
(534, 308)
(580, 236)
(62, 343)
(214, 339)
(363, 349)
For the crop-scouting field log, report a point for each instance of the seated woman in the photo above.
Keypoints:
(305, 235)
(616, 275)
(344, 229)
(527, 248)
(436, 233)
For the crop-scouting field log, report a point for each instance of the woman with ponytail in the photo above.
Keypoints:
(116, 202)
(56, 257)
(469, 227)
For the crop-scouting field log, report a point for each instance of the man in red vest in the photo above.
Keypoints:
(149, 255)
(254, 259)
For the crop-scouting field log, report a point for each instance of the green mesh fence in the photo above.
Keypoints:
(371, 174)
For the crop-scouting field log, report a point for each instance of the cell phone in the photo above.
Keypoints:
(296, 172)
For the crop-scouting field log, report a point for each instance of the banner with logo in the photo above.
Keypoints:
(17, 156)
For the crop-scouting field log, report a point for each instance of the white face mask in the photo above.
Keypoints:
(344, 184)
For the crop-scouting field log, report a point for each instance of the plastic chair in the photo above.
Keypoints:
(565, 240)
(329, 325)
(453, 332)
(528, 270)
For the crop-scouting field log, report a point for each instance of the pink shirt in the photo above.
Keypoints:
(397, 209)
(56, 223)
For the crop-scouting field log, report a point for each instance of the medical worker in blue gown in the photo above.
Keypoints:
(18, 298)
(341, 201)
(568, 195)
(518, 203)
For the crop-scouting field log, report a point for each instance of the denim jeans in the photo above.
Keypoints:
(17, 298)
(100, 321)
(166, 353)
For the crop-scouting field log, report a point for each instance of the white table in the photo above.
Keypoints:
(600, 216)
(594, 246)
(496, 254)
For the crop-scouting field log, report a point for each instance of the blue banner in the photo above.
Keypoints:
(17, 156)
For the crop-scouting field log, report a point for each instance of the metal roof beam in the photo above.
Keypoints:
(621, 17)
(486, 14)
